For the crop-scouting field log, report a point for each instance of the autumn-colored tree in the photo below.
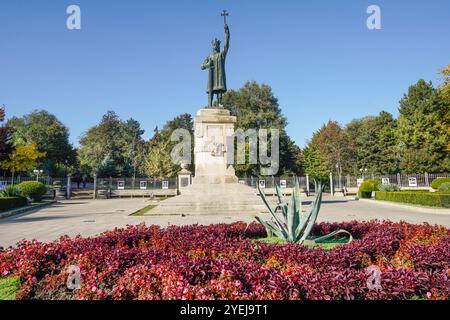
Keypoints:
(23, 159)
(50, 136)
(445, 87)
(333, 148)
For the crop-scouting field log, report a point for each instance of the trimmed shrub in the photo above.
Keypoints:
(367, 187)
(12, 203)
(438, 182)
(11, 192)
(33, 189)
(445, 187)
(390, 188)
(429, 199)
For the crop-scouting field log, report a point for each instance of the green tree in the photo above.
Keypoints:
(422, 130)
(445, 87)
(48, 133)
(376, 144)
(23, 159)
(257, 108)
(314, 163)
(113, 141)
(158, 162)
(444, 92)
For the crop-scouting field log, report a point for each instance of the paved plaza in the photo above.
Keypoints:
(91, 217)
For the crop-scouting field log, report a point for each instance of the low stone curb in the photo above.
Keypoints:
(409, 206)
(10, 213)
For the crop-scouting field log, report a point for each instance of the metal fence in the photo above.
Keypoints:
(19, 179)
(402, 180)
(136, 184)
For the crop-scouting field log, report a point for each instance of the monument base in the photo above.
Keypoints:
(214, 179)
(213, 199)
(212, 128)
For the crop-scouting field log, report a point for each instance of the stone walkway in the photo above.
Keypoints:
(89, 218)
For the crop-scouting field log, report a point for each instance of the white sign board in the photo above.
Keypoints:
(3, 184)
(262, 184)
(385, 181)
(120, 185)
(242, 182)
(165, 185)
(359, 182)
(412, 182)
(143, 185)
(283, 184)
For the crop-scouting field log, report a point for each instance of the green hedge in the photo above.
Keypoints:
(428, 199)
(438, 182)
(12, 203)
(367, 187)
(33, 189)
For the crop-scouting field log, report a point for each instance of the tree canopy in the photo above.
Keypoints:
(48, 134)
(113, 147)
(159, 162)
(422, 130)
(256, 107)
(375, 144)
(22, 159)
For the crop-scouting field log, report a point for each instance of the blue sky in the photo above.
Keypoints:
(142, 58)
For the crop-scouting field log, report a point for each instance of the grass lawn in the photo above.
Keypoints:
(8, 288)
(326, 245)
(143, 211)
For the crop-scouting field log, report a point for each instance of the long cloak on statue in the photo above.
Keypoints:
(217, 80)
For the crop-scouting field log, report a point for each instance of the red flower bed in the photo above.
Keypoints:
(226, 262)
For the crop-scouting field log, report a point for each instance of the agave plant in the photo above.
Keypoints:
(296, 224)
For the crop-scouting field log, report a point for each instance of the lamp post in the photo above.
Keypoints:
(37, 172)
(363, 171)
(338, 169)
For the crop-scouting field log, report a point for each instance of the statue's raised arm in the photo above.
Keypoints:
(227, 40)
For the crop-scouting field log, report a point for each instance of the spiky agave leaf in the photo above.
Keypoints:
(271, 227)
(311, 218)
(282, 205)
(333, 234)
(283, 230)
(294, 212)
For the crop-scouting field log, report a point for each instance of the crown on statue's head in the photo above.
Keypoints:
(215, 43)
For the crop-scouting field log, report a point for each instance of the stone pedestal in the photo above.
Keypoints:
(212, 127)
(184, 177)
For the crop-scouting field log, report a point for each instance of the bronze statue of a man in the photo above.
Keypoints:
(215, 63)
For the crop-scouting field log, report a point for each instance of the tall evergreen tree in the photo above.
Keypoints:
(421, 130)
(376, 145)
(257, 108)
